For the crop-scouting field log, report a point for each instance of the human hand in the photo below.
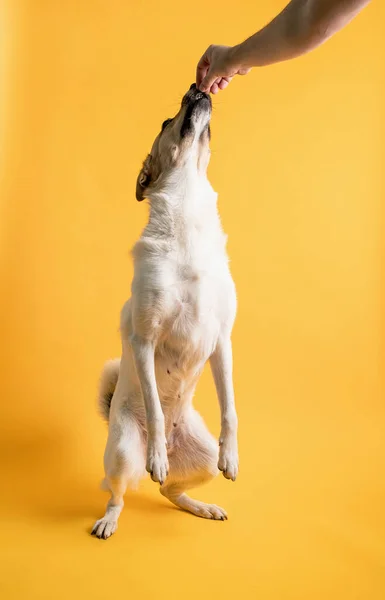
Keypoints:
(217, 67)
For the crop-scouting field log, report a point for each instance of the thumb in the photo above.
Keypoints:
(207, 81)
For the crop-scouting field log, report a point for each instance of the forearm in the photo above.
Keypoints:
(300, 27)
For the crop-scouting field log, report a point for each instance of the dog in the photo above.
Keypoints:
(180, 315)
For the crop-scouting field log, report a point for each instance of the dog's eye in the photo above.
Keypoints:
(164, 125)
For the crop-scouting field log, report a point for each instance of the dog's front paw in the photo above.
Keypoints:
(157, 461)
(104, 528)
(228, 458)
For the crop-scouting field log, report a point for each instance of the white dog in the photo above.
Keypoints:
(181, 314)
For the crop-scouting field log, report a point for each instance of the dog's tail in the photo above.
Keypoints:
(107, 385)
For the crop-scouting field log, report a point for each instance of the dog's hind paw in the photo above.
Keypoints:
(104, 528)
(207, 511)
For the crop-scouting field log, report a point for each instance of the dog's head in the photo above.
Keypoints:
(183, 140)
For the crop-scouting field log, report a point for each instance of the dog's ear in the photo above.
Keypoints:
(144, 179)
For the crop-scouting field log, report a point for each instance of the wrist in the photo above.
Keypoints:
(238, 56)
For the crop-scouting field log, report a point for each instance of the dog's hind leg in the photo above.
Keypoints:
(193, 459)
(124, 462)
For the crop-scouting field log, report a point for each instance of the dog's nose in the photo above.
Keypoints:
(195, 93)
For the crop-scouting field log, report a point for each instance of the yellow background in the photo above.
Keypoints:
(297, 159)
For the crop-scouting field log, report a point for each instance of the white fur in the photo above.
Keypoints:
(180, 315)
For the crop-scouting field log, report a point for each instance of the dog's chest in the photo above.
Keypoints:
(184, 288)
(195, 313)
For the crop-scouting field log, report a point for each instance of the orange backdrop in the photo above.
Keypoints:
(297, 160)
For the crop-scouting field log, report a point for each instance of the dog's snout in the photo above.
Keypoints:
(195, 103)
(195, 94)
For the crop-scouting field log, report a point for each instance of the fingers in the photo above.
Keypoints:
(202, 68)
(215, 86)
(208, 82)
(220, 83)
(224, 82)
(201, 74)
(215, 70)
